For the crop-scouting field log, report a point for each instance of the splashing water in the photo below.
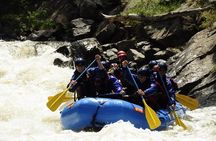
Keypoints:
(28, 77)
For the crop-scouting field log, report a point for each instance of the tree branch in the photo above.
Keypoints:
(161, 17)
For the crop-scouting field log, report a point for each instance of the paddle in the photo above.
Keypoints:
(150, 114)
(178, 120)
(58, 99)
(64, 99)
(187, 101)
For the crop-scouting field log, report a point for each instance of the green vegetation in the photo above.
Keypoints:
(24, 23)
(214, 68)
(36, 20)
(209, 17)
(196, 3)
(153, 7)
(24, 16)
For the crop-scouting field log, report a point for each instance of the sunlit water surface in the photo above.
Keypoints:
(28, 77)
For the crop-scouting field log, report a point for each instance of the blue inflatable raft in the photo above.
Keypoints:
(95, 113)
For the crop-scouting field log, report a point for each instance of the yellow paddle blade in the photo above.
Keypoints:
(151, 116)
(65, 98)
(187, 101)
(56, 100)
(178, 121)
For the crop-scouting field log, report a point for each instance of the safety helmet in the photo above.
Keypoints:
(162, 66)
(121, 53)
(144, 71)
(152, 63)
(80, 61)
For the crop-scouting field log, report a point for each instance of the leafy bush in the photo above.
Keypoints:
(214, 68)
(209, 17)
(197, 3)
(21, 16)
(36, 20)
(154, 7)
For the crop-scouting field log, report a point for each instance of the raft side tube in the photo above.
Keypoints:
(80, 115)
(98, 112)
(115, 110)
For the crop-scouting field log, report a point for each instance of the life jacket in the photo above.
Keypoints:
(153, 99)
(100, 81)
(163, 99)
(83, 86)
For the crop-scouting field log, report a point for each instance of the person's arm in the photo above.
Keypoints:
(73, 84)
(153, 89)
(98, 60)
(116, 85)
(127, 77)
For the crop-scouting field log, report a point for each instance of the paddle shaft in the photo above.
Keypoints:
(132, 78)
(84, 71)
(178, 121)
(134, 82)
(56, 100)
(82, 74)
(151, 115)
(164, 86)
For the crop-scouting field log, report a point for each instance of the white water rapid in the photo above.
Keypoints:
(28, 77)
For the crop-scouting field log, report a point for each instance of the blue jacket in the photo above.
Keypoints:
(155, 93)
(170, 87)
(83, 86)
(104, 83)
(148, 86)
(74, 77)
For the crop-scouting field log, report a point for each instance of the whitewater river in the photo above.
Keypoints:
(28, 77)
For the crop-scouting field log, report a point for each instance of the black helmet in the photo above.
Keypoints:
(79, 61)
(144, 71)
(152, 63)
(162, 66)
(106, 64)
